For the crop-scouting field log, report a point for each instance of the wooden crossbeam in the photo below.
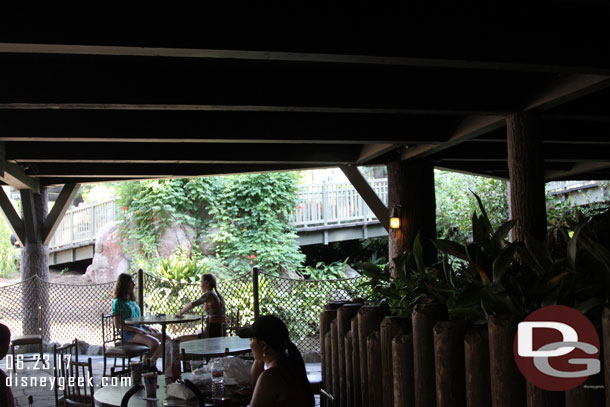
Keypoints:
(12, 217)
(368, 194)
(61, 205)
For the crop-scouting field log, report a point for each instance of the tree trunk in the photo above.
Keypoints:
(411, 185)
(526, 170)
(35, 262)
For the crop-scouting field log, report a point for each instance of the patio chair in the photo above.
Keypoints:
(232, 324)
(195, 389)
(62, 355)
(113, 346)
(34, 339)
(78, 392)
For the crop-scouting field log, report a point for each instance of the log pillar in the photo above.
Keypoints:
(390, 328)
(369, 320)
(344, 323)
(526, 171)
(411, 185)
(35, 261)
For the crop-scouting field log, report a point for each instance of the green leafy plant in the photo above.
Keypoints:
(323, 271)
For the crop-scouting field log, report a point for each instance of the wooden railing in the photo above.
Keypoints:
(328, 203)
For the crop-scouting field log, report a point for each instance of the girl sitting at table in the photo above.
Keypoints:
(214, 305)
(284, 382)
(125, 302)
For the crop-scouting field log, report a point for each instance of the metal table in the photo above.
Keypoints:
(220, 346)
(163, 320)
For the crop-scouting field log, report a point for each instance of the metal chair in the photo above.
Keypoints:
(113, 345)
(34, 339)
(62, 355)
(232, 324)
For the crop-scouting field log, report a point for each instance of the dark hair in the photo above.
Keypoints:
(5, 339)
(211, 280)
(122, 291)
(274, 332)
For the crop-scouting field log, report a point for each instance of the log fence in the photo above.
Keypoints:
(392, 361)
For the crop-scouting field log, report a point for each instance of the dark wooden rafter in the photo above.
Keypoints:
(13, 219)
(61, 205)
(368, 194)
(14, 175)
(292, 57)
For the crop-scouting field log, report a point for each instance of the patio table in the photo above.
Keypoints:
(111, 396)
(163, 320)
(220, 346)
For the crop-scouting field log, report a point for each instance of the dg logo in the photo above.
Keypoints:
(557, 348)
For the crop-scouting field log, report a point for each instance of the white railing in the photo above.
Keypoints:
(334, 203)
(80, 225)
(331, 203)
(564, 187)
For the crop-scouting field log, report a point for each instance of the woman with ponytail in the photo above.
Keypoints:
(284, 382)
(214, 306)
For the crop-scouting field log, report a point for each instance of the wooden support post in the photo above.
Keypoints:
(606, 351)
(476, 354)
(345, 313)
(34, 259)
(348, 397)
(526, 171)
(255, 302)
(507, 383)
(402, 368)
(449, 364)
(425, 316)
(369, 320)
(390, 327)
(373, 350)
(329, 313)
(326, 368)
(334, 352)
(357, 388)
(411, 185)
(536, 397)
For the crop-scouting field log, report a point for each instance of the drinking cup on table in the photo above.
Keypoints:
(136, 372)
(196, 364)
(150, 384)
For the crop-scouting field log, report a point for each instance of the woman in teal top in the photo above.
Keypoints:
(125, 302)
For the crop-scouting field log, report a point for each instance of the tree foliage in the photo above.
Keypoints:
(246, 216)
(455, 202)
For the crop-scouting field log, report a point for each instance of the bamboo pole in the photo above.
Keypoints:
(425, 316)
(476, 357)
(449, 364)
(402, 356)
(345, 313)
(369, 319)
(507, 383)
(390, 327)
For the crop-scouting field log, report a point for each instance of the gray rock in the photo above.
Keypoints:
(109, 259)
(176, 237)
(94, 350)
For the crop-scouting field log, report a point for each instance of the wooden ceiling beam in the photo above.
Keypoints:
(275, 56)
(182, 153)
(14, 175)
(567, 89)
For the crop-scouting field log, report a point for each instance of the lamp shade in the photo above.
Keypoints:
(395, 219)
